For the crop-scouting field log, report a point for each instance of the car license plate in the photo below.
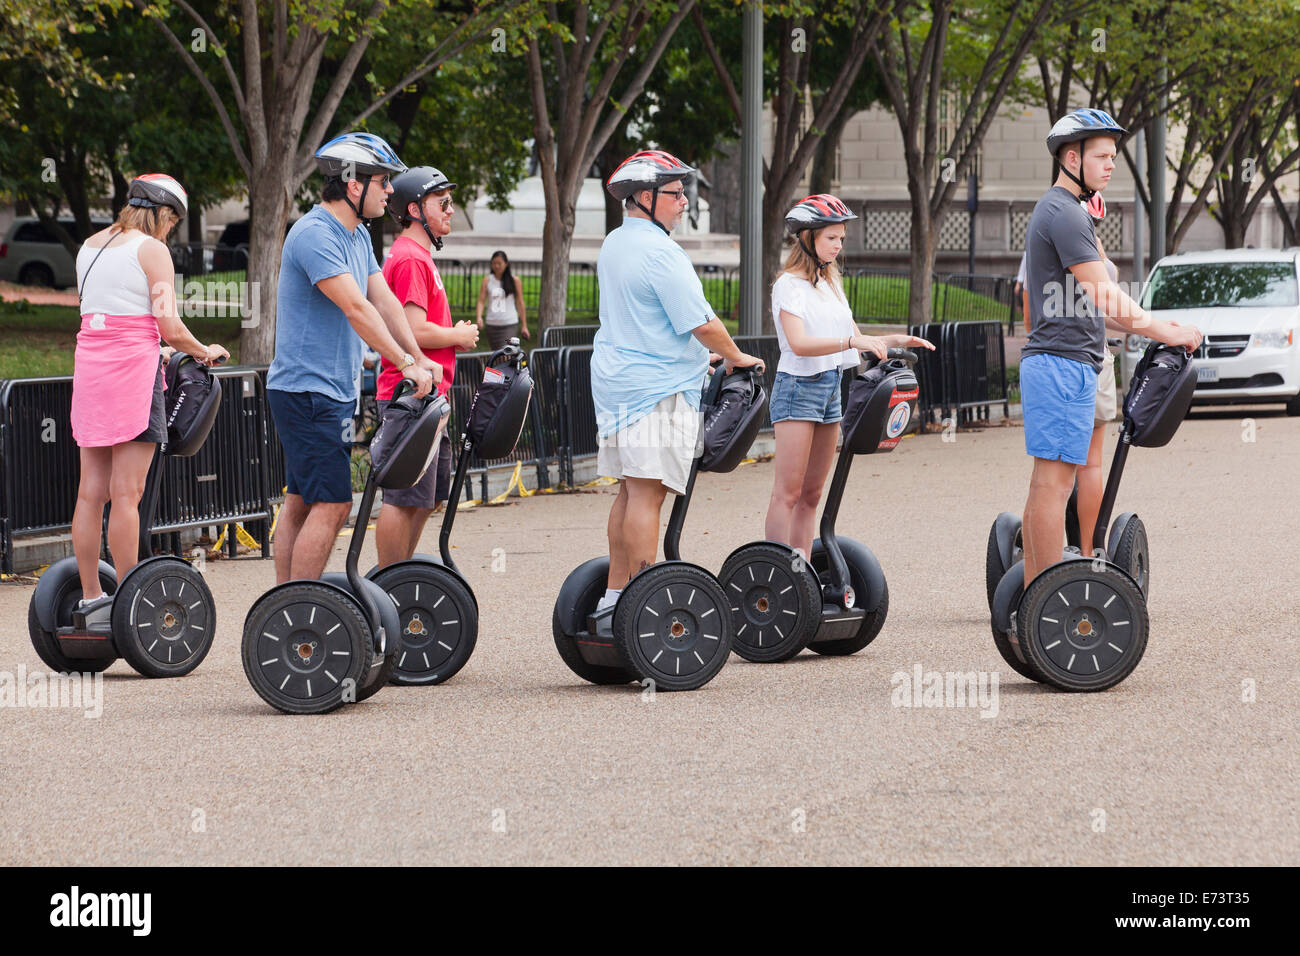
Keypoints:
(1204, 374)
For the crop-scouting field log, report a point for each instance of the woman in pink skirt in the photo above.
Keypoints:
(128, 297)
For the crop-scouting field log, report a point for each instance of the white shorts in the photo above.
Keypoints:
(661, 445)
(1107, 398)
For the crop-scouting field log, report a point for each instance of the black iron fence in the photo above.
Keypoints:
(239, 474)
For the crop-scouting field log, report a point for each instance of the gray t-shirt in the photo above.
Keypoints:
(1063, 320)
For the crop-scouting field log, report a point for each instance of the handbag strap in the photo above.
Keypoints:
(82, 287)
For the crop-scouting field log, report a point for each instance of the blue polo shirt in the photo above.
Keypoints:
(316, 350)
(650, 302)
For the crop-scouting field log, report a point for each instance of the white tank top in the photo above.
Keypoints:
(500, 307)
(117, 285)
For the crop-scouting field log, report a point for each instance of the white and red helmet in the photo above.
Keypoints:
(158, 189)
(1094, 206)
(816, 211)
(647, 169)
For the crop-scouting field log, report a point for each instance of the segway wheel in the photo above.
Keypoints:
(1132, 554)
(1002, 641)
(673, 626)
(1083, 625)
(578, 597)
(307, 648)
(437, 622)
(164, 618)
(775, 602)
(1005, 548)
(46, 644)
(858, 557)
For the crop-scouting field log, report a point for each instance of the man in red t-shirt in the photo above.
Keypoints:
(421, 204)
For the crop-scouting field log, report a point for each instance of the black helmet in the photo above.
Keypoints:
(158, 189)
(411, 187)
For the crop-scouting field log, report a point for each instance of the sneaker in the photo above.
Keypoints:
(84, 606)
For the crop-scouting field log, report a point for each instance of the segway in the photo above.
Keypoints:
(161, 619)
(311, 646)
(836, 602)
(672, 622)
(437, 610)
(1081, 625)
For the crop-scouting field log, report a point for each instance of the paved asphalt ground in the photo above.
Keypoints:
(518, 761)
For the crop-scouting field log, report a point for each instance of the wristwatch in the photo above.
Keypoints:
(407, 362)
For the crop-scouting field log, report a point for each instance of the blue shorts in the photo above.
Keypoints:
(806, 398)
(315, 432)
(1058, 398)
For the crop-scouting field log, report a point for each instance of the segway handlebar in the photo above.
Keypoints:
(907, 355)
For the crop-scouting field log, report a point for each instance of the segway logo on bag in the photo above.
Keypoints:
(899, 418)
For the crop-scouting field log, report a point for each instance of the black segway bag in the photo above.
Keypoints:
(1159, 395)
(499, 408)
(193, 397)
(731, 420)
(881, 408)
(407, 437)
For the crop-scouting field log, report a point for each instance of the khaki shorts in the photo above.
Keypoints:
(661, 445)
(1107, 399)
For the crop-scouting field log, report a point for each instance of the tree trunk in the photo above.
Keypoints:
(268, 213)
(773, 248)
(557, 239)
(822, 177)
(921, 261)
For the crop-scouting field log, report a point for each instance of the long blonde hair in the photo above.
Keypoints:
(799, 263)
(156, 221)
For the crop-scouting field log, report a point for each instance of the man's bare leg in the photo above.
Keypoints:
(1043, 526)
(618, 571)
(315, 541)
(645, 498)
(292, 514)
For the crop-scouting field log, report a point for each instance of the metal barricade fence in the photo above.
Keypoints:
(966, 374)
(226, 481)
(579, 408)
(560, 336)
(991, 298)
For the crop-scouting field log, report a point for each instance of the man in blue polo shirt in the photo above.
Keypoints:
(331, 298)
(1071, 300)
(650, 358)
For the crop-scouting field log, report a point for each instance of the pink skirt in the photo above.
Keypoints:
(114, 370)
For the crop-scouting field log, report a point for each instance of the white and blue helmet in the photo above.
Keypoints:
(1082, 124)
(346, 156)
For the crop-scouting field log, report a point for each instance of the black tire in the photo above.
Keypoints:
(774, 590)
(36, 274)
(164, 619)
(579, 595)
(437, 622)
(673, 626)
(1073, 535)
(856, 556)
(301, 632)
(46, 644)
(1133, 555)
(379, 675)
(1083, 626)
(996, 560)
(1002, 641)
(1293, 406)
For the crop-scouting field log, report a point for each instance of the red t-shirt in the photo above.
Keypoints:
(411, 274)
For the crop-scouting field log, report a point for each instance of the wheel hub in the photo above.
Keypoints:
(1086, 628)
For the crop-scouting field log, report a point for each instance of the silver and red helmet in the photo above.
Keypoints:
(158, 189)
(1095, 207)
(646, 169)
(817, 211)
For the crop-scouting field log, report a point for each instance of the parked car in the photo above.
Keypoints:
(1247, 303)
(31, 255)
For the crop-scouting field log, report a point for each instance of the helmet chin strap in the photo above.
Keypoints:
(1085, 193)
(812, 254)
(654, 201)
(436, 240)
(361, 202)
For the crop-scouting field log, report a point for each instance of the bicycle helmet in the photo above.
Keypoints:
(152, 190)
(1095, 207)
(647, 169)
(352, 155)
(816, 212)
(1079, 125)
(411, 187)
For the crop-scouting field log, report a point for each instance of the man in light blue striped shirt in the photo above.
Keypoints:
(650, 358)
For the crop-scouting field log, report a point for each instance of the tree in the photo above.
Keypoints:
(575, 111)
(839, 33)
(259, 65)
(986, 50)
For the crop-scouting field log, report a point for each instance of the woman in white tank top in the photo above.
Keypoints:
(117, 407)
(505, 303)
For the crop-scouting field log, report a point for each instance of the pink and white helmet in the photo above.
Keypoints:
(647, 169)
(816, 211)
(1094, 206)
(158, 189)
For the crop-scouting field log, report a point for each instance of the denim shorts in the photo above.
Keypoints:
(806, 398)
(315, 432)
(1058, 398)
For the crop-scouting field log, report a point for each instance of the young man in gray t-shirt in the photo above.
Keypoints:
(1072, 300)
